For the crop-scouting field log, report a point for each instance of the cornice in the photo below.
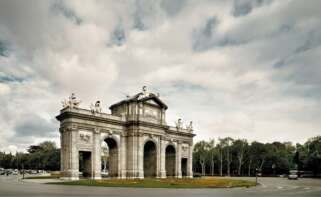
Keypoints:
(72, 114)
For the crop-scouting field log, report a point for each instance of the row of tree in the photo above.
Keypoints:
(226, 156)
(44, 156)
(237, 157)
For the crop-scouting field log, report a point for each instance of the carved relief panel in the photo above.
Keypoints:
(85, 139)
(185, 150)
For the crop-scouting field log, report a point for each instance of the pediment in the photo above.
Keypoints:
(152, 102)
(148, 98)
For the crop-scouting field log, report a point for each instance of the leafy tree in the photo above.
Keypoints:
(239, 147)
(201, 154)
(42, 156)
(213, 154)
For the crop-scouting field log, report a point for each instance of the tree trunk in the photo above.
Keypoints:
(212, 165)
(221, 166)
(249, 172)
(263, 160)
(212, 168)
(240, 165)
(203, 169)
(239, 170)
(228, 162)
(202, 162)
(240, 158)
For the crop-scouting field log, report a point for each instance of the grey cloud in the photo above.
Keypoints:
(138, 22)
(143, 9)
(35, 126)
(9, 78)
(279, 63)
(147, 14)
(203, 38)
(4, 49)
(244, 7)
(58, 7)
(22, 24)
(118, 37)
(313, 40)
(173, 7)
(210, 27)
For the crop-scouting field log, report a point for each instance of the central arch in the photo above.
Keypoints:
(112, 161)
(150, 159)
(170, 160)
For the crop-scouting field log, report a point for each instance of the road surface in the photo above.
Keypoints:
(274, 187)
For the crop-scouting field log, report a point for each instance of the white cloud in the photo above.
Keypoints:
(254, 74)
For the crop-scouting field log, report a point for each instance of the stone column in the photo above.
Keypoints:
(190, 161)
(123, 156)
(70, 154)
(162, 158)
(140, 155)
(74, 155)
(131, 156)
(178, 160)
(96, 155)
(119, 159)
(62, 151)
(163, 118)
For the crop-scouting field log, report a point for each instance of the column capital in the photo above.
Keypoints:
(97, 130)
(72, 127)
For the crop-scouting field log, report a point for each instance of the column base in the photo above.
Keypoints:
(97, 175)
(123, 174)
(140, 174)
(69, 175)
(70, 178)
(97, 178)
(162, 175)
(133, 174)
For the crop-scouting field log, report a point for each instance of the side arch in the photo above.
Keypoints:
(150, 158)
(113, 155)
(170, 160)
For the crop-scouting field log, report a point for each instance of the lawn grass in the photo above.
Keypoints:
(42, 177)
(164, 183)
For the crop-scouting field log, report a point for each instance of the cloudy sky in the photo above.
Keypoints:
(240, 68)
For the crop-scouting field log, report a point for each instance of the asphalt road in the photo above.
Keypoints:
(12, 187)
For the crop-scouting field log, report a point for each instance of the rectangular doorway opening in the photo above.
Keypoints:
(85, 164)
(184, 167)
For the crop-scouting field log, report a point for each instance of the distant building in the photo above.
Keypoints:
(140, 143)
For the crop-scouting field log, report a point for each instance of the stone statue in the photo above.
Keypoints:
(145, 93)
(179, 123)
(189, 127)
(72, 102)
(64, 103)
(95, 108)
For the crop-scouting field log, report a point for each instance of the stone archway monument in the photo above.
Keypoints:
(138, 139)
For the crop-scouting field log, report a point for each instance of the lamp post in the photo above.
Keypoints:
(256, 176)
